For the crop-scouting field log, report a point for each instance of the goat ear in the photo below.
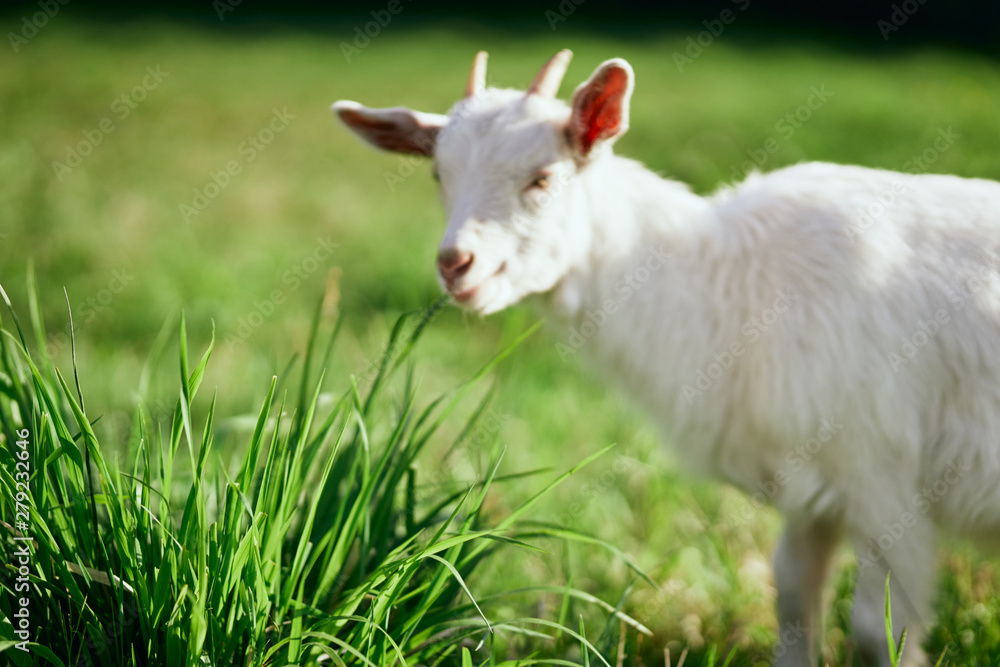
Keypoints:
(398, 129)
(600, 107)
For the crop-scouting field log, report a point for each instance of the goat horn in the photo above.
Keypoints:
(477, 76)
(547, 82)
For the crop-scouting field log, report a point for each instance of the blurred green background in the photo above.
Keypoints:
(312, 213)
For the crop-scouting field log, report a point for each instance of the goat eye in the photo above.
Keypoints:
(541, 182)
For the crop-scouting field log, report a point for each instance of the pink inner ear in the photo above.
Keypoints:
(361, 121)
(599, 113)
(391, 135)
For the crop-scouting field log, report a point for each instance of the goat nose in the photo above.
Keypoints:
(454, 263)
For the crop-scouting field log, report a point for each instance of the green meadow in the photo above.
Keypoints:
(164, 173)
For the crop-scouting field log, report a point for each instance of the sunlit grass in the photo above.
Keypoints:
(313, 184)
(323, 544)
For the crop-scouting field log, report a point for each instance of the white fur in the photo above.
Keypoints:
(814, 415)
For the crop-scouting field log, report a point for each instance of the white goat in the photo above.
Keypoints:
(824, 337)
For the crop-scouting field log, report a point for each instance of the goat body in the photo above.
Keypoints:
(824, 337)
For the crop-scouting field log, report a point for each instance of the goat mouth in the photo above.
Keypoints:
(470, 293)
(465, 295)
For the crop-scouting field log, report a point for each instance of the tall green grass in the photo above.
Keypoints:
(322, 547)
(700, 126)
